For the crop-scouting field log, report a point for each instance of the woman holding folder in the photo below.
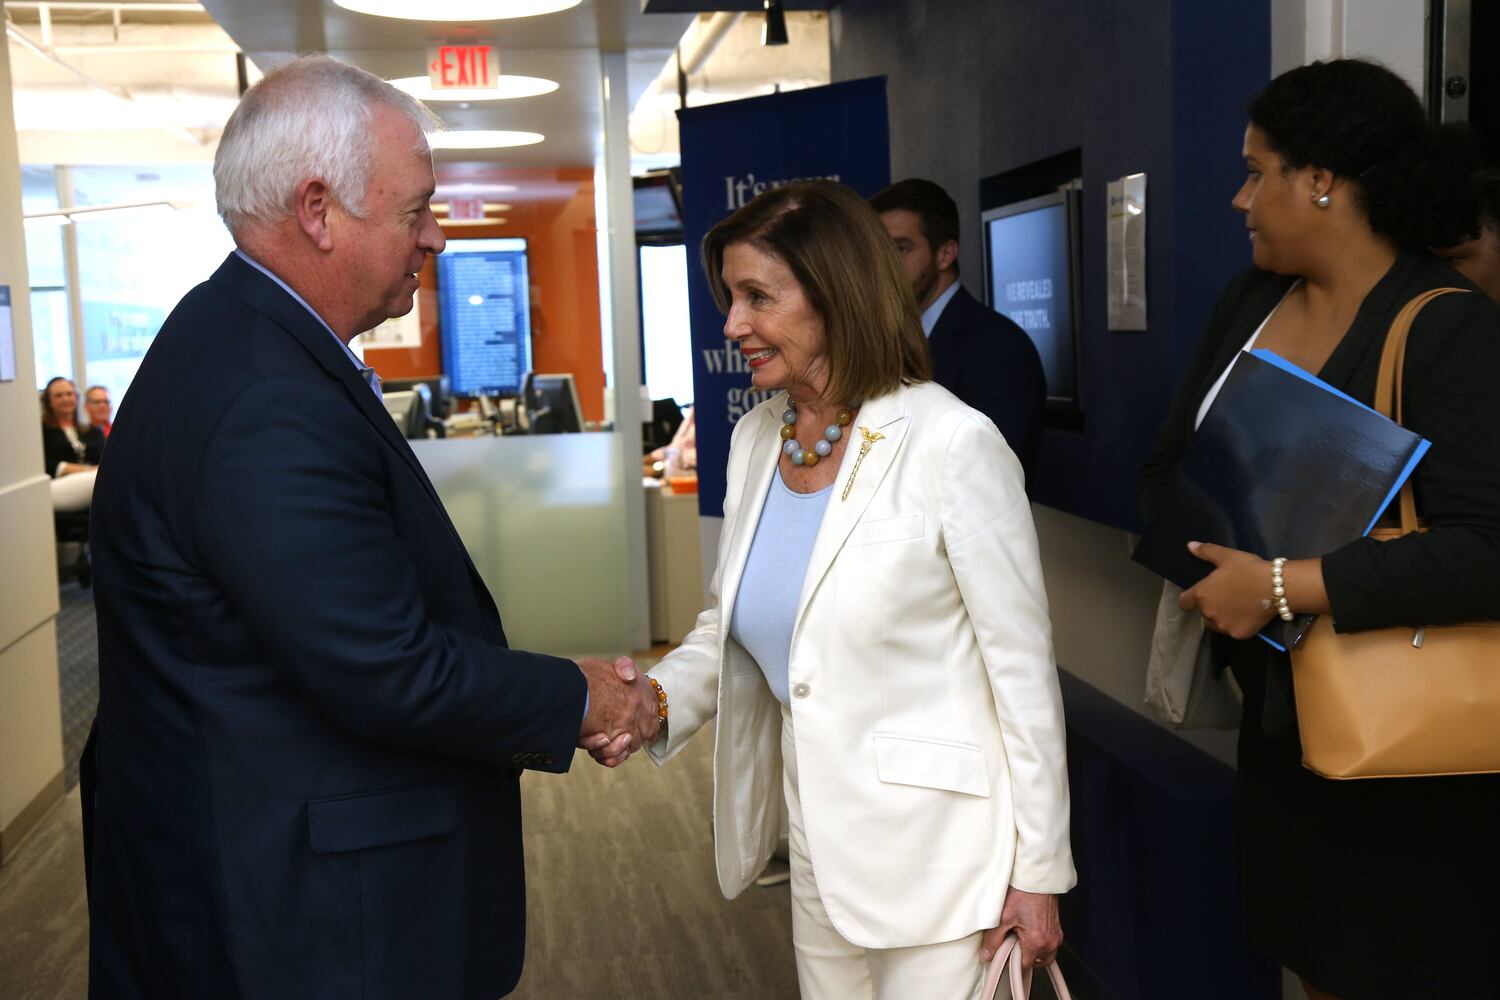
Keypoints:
(1381, 888)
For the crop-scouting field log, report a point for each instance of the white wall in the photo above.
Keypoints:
(31, 759)
(1391, 32)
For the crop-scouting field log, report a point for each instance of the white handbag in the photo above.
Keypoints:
(1018, 987)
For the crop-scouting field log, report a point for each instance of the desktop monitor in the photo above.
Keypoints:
(484, 301)
(1031, 265)
(550, 404)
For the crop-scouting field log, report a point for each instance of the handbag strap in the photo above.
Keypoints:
(1008, 959)
(1388, 385)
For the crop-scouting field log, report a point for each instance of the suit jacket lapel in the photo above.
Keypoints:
(763, 441)
(886, 417)
(265, 296)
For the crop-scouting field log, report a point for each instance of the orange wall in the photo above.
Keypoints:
(563, 262)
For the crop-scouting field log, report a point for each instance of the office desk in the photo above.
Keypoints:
(673, 555)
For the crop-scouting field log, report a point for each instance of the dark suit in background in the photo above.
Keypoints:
(987, 361)
(310, 729)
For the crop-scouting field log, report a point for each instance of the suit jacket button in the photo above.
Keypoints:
(518, 759)
(801, 691)
(547, 759)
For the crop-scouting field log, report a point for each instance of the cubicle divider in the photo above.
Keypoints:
(544, 519)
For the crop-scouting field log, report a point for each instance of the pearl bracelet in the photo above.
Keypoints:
(1278, 589)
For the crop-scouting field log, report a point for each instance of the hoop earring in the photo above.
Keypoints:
(1322, 201)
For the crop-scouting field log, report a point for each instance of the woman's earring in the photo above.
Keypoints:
(1321, 201)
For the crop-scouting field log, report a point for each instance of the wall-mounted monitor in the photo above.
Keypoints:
(484, 301)
(1031, 275)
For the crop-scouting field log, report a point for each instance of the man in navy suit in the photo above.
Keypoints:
(980, 356)
(310, 727)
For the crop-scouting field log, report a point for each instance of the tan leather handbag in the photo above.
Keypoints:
(1399, 702)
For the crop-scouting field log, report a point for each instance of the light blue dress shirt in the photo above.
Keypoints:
(931, 313)
(765, 606)
(365, 371)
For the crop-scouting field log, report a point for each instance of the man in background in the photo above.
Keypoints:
(96, 403)
(310, 728)
(980, 356)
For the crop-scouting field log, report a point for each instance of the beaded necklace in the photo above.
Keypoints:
(821, 449)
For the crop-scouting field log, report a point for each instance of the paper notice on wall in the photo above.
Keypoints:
(7, 338)
(402, 331)
(1127, 253)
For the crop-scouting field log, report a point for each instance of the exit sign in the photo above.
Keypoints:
(463, 67)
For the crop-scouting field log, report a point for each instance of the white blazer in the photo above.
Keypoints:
(925, 703)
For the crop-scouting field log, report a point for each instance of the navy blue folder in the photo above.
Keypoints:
(1282, 465)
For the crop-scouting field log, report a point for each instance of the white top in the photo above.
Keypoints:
(1213, 390)
(765, 610)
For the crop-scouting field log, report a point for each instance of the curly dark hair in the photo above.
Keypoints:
(1365, 124)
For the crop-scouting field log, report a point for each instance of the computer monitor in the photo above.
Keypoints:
(1031, 271)
(661, 426)
(405, 407)
(484, 302)
(549, 404)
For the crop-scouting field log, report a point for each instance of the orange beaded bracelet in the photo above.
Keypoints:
(661, 701)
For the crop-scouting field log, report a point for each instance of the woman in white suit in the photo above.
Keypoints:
(878, 651)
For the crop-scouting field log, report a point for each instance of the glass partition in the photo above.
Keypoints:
(541, 516)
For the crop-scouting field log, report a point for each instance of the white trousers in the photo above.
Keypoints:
(73, 492)
(829, 967)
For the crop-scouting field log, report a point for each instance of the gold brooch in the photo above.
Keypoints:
(864, 449)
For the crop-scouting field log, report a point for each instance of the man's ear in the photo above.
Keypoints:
(314, 206)
(946, 255)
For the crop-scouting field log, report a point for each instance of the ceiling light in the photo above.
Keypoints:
(468, 189)
(510, 87)
(774, 31)
(456, 10)
(482, 139)
(472, 222)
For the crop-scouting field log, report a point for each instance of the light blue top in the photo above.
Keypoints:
(368, 373)
(765, 607)
(931, 313)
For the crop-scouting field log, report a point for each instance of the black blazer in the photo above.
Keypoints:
(1452, 371)
(310, 728)
(987, 361)
(57, 448)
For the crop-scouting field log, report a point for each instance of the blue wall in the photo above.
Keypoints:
(979, 87)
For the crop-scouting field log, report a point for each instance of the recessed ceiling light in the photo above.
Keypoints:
(456, 10)
(482, 139)
(510, 87)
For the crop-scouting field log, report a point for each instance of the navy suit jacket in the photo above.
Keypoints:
(987, 361)
(310, 728)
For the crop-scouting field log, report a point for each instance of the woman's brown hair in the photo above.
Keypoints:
(49, 419)
(836, 248)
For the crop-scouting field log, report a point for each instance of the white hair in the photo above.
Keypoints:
(309, 118)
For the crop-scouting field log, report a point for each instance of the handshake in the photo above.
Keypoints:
(622, 714)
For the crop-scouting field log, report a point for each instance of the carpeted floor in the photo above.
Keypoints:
(622, 903)
(622, 898)
(77, 671)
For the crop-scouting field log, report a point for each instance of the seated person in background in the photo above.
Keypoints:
(1478, 259)
(96, 404)
(680, 454)
(69, 444)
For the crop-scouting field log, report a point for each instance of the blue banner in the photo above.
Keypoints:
(731, 153)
